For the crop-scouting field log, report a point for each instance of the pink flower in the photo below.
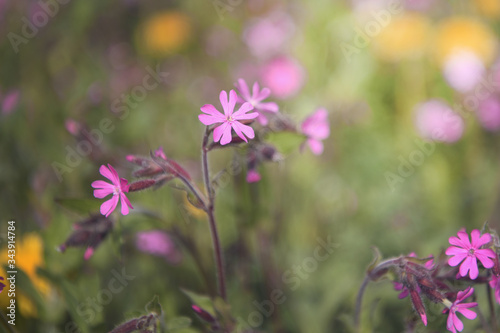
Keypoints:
(316, 128)
(158, 243)
(10, 101)
(268, 36)
(469, 252)
(495, 284)
(488, 113)
(453, 323)
(284, 76)
(229, 120)
(435, 120)
(463, 70)
(118, 188)
(160, 153)
(253, 176)
(255, 98)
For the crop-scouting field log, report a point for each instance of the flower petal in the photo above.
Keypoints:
(243, 89)
(101, 184)
(247, 130)
(103, 192)
(268, 107)
(316, 146)
(116, 178)
(125, 203)
(109, 206)
(226, 135)
(210, 120)
(219, 130)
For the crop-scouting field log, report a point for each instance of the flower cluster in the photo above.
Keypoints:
(158, 169)
(439, 279)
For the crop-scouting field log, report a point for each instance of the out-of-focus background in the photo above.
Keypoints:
(413, 94)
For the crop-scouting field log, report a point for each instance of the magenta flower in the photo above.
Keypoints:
(469, 252)
(453, 323)
(160, 153)
(1, 284)
(255, 98)
(118, 188)
(316, 128)
(495, 285)
(158, 243)
(284, 76)
(253, 176)
(229, 120)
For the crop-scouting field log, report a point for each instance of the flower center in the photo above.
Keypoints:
(116, 190)
(230, 119)
(471, 252)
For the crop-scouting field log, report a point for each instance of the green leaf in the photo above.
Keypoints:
(178, 323)
(203, 301)
(285, 142)
(154, 306)
(80, 206)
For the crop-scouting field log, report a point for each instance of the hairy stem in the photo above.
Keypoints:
(492, 308)
(359, 299)
(219, 260)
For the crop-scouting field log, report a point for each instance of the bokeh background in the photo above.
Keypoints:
(413, 94)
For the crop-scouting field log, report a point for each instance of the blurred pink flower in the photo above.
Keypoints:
(158, 243)
(435, 120)
(160, 153)
(495, 285)
(463, 71)
(229, 119)
(10, 101)
(268, 36)
(467, 252)
(454, 323)
(118, 188)
(316, 128)
(72, 126)
(419, 5)
(284, 76)
(253, 176)
(255, 98)
(488, 113)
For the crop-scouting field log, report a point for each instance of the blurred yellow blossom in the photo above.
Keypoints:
(458, 34)
(404, 37)
(28, 256)
(490, 8)
(165, 33)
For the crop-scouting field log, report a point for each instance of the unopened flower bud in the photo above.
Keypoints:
(204, 315)
(141, 185)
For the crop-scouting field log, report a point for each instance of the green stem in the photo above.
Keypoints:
(219, 260)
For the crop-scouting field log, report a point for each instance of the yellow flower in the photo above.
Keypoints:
(28, 256)
(404, 37)
(459, 34)
(166, 33)
(490, 8)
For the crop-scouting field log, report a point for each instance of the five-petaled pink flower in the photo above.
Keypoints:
(316, 128)
(118, 188)
(255, 98)
(453, 323)
(469, 252)
(229, 120)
